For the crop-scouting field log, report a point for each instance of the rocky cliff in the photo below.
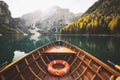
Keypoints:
(7, 23)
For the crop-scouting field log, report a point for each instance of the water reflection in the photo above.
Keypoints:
(35, 35)
(7, 43)
(104, 48)
(18, 54)
(10, 44)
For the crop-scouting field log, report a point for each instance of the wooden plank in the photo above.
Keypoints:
(62, 49)
(51, 77)
(76, 67)
(37, 77)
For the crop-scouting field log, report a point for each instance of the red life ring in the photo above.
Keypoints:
(58, 72)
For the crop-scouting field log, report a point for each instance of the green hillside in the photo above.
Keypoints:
(101, 18)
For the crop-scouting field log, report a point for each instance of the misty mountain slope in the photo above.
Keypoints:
(55, 17)
(101, 18)
(31, 17)
(27, 20)
(59, 18)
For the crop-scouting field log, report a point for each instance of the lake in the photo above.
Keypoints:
(104, 48)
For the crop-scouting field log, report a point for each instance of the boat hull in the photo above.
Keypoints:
(83, 66)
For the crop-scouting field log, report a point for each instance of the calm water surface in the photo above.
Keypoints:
(104, 48)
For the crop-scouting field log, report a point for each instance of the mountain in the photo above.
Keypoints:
(57, 18)
(7, 23)
(51, 20)
(101, 18)
(32, 17)
(27, 20)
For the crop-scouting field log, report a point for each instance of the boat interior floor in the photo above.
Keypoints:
(51, 77)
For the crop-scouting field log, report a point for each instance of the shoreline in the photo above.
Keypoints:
(87, 35)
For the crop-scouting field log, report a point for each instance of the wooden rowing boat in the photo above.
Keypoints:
(83, 66)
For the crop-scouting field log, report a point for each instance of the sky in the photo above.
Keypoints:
(21, 7)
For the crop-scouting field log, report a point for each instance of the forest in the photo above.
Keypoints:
(101, 18)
